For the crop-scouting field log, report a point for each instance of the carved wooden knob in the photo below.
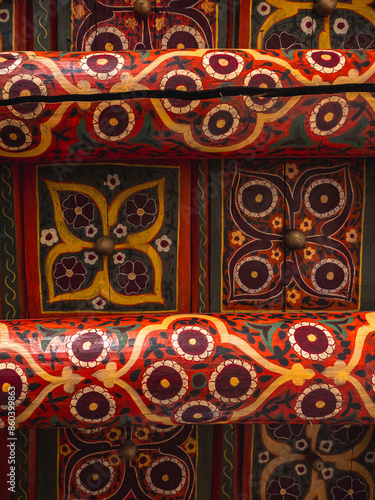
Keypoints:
(325, 8)
(315, 461)
(294, 239)
(128, 450)
(104, 245)
(142, 9)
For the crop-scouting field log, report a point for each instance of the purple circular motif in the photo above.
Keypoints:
(223, 65)
(325, 61)
(233, 381)
(78, 210)
(197, 412)
(349, 488)
(9, 61)
(12, 375)
(329, 276)
(285, 431)
(113, 121)
(311, 340)
(220, 122)
(324, 198)
(14, 135)
(359, 41)
(346, 433)
(192, 342)
(253, 274)
(198, 380)
(284, 488)
(95, 477)
(319, 401)
(102, 65)
(140, 210)
(329, 115)
(69, 274)
(262, 77)
(282, 40)
(166, 476)
(164, 382)
(24, 86)
(88, 348)
(92, 404)
(257, 198)
(182, 80)
(182, 37)
(106, 38)
(132, 276)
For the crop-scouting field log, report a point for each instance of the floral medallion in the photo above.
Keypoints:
(23, 86)
(196, 412)
(233, 381)
(102, 65)
(9, 62)
(311, 340)
(69, 274)
(95, 477)
(12, 375)
(14, 135)
(223, 65)
(78, 210)
(113, 120)
(180, 79)
(106, 38)
(262, 78)
(319, 401)
(88, 348)
(329, 276)
(133, 276)
(93, 405)
(283, 488)
(257, 198)
(220, 122)
(166, 476)
(192, 342)
(165, 382)
(325, 61)
(348, 488)
(182, 37)
(140, 210)
(253, 274)
(329, 115)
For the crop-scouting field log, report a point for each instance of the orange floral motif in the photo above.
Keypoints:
(159, 23)
(306, 225)
(237, 238)
(276, 254)
(131, 23)
(308, 253)
(291, 170)
(208, 6)
(293, 296)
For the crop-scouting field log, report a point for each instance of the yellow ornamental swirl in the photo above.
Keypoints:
(71, 244)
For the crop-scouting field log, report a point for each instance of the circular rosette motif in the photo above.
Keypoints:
(166, 476)
(140, 210)
(93, 404)
(95, 477)
(319, 401)
(113, 120)
(221, 122)
(12, 375)
(223, 65)
(69, 274)
(102, 65)
(180, 79)
(311, 340)
(182, 37)
(325, 61)
(192, 342)
(164, 382)
(233, 381)
(14, 135)
(324, 198)
(350, 488)
(283, 488)
(106, 38)
(253, 274)
(78, 210)
(9, 62)
(197, 412)
(257, 198)
(24, 86)
(329, 115)
(262, 78)
(132, 277)
(88, 348)
(329, 276)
